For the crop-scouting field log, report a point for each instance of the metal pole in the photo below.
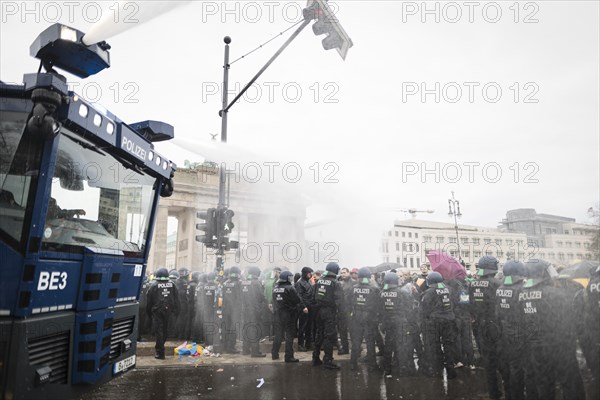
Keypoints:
(259, 73)
(452, 203)
(222, 168)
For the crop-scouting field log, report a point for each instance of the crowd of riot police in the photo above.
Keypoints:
(524, 322)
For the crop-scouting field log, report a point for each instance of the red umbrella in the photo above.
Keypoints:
(446, 265)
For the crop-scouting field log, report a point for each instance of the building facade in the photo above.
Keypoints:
(523, 235)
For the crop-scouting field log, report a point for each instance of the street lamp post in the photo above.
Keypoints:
(454, 210)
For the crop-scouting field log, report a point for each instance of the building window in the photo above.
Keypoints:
(404, 263)
(498, 242)
(570, 257)
(416, 236)
(509, 242)
(566, 232)
(580, 256)
(427, 239)
(489, 253)
(412, 263)
(578, 245)
(464, 240)
(586, 246)
(403, 246)
(403, 234)
(588, 256)
(548, 231)
(561, 256)
(417, 247)
(487, 241)
(510, 255)
(568, 244)
(452, 239)
(476, 254)
(551, 256)
(542, 255)
(466, 254)
(396, 233)
(389, 233)
(418, 261)
(410, 247)
(499, 253)
(397, 246)
(475, 241)
(453, 253)
(440, 239)
(521, 256)
(409, 234)
(398, 260)
(558, 244)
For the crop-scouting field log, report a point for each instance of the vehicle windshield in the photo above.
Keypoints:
(20, 154)
(97, 199)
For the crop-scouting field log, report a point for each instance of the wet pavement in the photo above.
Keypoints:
(236, 376)
(283, 381)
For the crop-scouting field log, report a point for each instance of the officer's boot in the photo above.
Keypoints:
(331, 365)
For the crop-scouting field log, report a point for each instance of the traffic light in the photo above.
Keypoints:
(328, 24)
(225, 226)
(209, 227)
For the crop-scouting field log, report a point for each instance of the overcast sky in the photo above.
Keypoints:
(512, 100)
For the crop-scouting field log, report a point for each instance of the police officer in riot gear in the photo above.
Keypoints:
(363, 302)
(482, 297)
(197, 334)
(544, 316)
(512, 341)
(232, 307)
(328, 294)
(439, 326)
(208, 309)
(182, 284)
(286, 304)
(191, 304)
(163, 301)
(394, 304)
(253, 305)
(591, 306)
(144, 321)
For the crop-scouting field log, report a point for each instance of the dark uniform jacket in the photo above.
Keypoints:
(285, 298)
(328, 292)
(162, 297)
(436, 303)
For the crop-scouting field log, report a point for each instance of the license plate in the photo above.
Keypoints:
(123, 365)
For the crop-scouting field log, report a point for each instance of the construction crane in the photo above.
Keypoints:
(413, 211)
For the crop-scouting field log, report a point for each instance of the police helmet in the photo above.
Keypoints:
(183, 272)
(162, 274)
(333, 267)
(173, 274)
(434, 277)
(253, 272)
(391, 279)
(210, 277)
(488, 262)
(286, 276)
(234, 272)
(364, 272)
(196, 276)
(537, 271)
(512, 268)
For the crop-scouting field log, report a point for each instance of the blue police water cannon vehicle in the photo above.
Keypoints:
(79, 191)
